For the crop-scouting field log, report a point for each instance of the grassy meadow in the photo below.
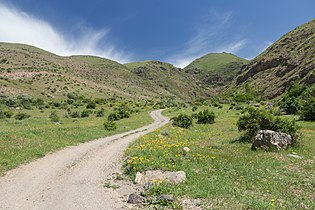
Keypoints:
(27, 139)
(223, 173)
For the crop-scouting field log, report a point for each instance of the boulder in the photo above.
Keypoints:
(158, 176)
(135, 199)
(269, 139)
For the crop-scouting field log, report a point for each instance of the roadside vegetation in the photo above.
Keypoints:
(31, 128)
(222, 171)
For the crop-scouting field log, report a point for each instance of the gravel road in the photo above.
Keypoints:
(72, 178)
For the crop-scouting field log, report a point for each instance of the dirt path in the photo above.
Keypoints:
(72, 178)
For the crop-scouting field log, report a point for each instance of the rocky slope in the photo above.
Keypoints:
(291, 58)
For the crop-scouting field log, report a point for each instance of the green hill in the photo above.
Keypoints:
(29, 70)
(215, 69)
(290, 59)
(164, 78)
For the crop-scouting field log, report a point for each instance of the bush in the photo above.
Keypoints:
(2, 115)
(91, 105)
(100, 113)
(255, 120)
(85, 113)
(182, 120)
(54, 116)
(113, 116)
(75, 114)
(194, 108)
(308, 110)
(205, 117)
(21, 116)
(110, 125)
(292, 100)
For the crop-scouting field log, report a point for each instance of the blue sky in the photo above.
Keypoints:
(175, 31)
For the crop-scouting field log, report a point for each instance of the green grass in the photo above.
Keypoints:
(25, 140)
(227, 175)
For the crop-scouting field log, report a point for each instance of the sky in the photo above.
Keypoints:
(174, 31)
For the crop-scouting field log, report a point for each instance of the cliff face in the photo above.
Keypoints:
(291, 58)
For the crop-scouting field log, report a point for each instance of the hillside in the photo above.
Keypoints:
(291, 58)
(28, 70)
(215, 69)
(164, 78)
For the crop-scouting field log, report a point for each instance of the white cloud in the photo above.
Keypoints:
(19, 27)
(206, 39)
(233, 47)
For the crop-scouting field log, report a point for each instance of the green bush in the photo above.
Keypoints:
(85, 113)
(205, 117)
(75, 114)
(255, 120)
(2, 115)
(54, 116)
(100, 113)
(194, 108)
(21, 116)
(91, 105)
(308, 110)
(113, 116)
(110, 125)
(292, 100)
(182, 120)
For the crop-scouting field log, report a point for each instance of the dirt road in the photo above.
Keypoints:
(72, 178)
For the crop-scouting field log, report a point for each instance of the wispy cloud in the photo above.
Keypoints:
(207, 37)
(19, 27)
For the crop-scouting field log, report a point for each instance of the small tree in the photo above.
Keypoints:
(182, 120)
(308, 110)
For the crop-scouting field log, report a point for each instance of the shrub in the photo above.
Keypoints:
(255, 120)
(292, 100)
(85, 113)
(8, 113)
(194, 108)
(308, 110)
(205, 117)
(110, 125)
(2, 115)
(54, 116)
(75, 114)
(91, 105)
(182, 120)
(113, 116)
(123, 111)
(100, 113)
(21, 116)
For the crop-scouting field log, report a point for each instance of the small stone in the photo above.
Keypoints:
(294, 155)
(169, 198)
(138, 177)
(135, 199)
(147, 186)
(186, 149)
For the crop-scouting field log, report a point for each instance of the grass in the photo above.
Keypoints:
(25, 140)
(227, 175)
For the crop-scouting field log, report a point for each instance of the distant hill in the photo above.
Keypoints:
(164, 78)
(215, 69)
(291, 58)
(29, 70)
